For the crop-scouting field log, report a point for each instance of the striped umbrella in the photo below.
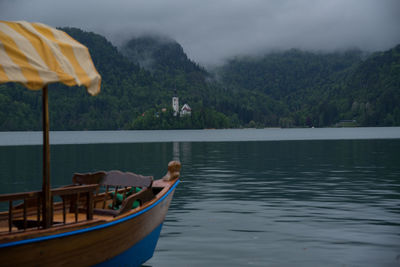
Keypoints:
(35, 55)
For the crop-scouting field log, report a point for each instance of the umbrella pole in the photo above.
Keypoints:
(46, 196)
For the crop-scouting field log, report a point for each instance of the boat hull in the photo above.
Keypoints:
(127, 241)
(137, 254)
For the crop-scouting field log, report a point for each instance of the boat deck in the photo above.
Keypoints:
(93, 198)
(58, 219)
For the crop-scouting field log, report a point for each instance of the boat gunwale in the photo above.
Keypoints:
(92, 228)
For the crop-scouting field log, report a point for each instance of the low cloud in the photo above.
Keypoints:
(213, 30)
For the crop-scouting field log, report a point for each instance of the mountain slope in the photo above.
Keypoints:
(169, 64)
(127, 91)
(374, 89)
(322, 89)
(158, 53)
(287, 89)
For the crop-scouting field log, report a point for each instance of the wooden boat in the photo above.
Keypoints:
(86, 228)
(101, 219)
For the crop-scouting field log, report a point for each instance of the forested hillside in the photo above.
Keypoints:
(305, 84)
(374, 89)
(287, 89)
(128, 91)
(321, 89)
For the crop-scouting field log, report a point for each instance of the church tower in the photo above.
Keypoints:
(175, 104)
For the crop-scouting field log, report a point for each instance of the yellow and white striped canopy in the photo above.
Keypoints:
(35, 55)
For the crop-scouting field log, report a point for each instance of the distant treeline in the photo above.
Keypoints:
(287, 89)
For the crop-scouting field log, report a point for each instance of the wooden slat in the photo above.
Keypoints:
(51, 212)
(18, 196)
(105, 197)
(77, 207)
(64, 210)
(115, 197)
(55, 192)
(73, 190)
(88, 178)
(127, 179)
(124, 194)
(142, 196)
(89, 206)
(25, 223)
(10, 215)
(38, 211)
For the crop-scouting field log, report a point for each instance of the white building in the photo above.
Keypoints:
(175, 105)
(186, 110)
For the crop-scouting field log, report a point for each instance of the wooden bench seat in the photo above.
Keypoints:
(117, 182)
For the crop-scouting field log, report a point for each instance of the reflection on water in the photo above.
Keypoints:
(176, 151)
(301, 203)
(22, 165)
(288, 203)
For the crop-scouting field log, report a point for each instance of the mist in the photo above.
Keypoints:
(212, 31)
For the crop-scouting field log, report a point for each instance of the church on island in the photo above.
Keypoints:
(185, 110)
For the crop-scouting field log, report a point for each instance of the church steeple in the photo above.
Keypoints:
(175, 103)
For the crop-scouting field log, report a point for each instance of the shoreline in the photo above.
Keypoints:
(204, 135)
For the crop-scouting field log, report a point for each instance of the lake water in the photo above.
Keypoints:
(313, 197)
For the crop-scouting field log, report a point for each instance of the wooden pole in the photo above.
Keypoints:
(46, 206)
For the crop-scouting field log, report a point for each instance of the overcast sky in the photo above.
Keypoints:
(212, 30)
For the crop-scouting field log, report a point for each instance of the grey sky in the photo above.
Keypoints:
(212, 30)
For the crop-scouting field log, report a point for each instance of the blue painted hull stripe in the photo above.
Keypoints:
(97, 227)
(136, 255)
